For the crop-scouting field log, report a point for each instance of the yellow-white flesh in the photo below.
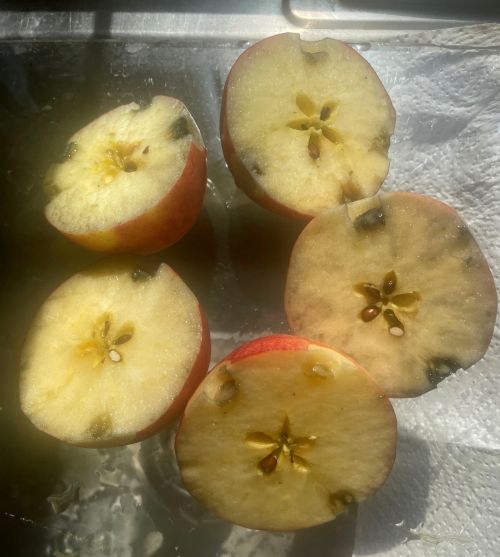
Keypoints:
(96, 188)
(262, 99)
(346, 451)
(432, 253)
(70, 386)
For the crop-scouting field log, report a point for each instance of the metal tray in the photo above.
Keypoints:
(57, 72)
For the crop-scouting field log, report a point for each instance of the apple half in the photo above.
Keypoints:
(305, 125)
(131, 180)
(399, 283)
(284, 434)
(113, 355)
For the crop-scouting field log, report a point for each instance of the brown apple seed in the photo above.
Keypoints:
(395, 326)
(369, 313)
(313, 146)
(390, 281)
(369, 291)
(268, 463)
(373, 218)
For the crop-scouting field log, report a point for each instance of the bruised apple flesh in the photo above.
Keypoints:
(132, 180)
(113, 355)
(305, 125)
(285, 434)
(399, 283)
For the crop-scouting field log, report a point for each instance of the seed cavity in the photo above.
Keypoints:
(373, 218)
(339, 500)
(224, 388)
(179, 128)
(101, 426)
(282, 446)
(103, 343)
(384, 299)
(313, 122)
(441, 368)
(256, 169)
(118, 158)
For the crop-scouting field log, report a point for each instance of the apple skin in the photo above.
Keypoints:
(274, 343)
(242, 176)
(164, 224)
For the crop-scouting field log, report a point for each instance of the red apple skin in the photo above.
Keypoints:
(274, 343)
(242, 176)
(164, 224)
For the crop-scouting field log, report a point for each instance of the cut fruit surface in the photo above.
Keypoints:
(133, 179)
(113, 355)
(284, 434)
(399, 283)
(305, 125)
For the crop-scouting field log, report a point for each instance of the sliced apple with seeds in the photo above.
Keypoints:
(305, 125)
(132, 180)
(113, 355)
(284, 434)
(399, 283)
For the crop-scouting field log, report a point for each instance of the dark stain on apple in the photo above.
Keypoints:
(256, 169)
(339, 500)
(70, 150)
(315, 57)
(100, 426)
(370, 220)
(441, 368)
(179, 128)
(145, 150)
(141, 275)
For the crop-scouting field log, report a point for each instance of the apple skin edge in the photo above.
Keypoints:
(283, 342)
(165, 223)
(242, 176)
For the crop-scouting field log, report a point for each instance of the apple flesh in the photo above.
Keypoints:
(132, 180)
(113, 355)
(285, 433)
(305, 125)
(399, 283)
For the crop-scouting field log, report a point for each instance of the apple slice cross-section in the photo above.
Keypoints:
(131, 180)
(399, 283)
(284, 434)
(305, 125)
(113, 355)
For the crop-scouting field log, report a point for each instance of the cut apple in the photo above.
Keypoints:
(399, 283)
(305, 125)
(132, 180)
(113, 355)
(285, 434)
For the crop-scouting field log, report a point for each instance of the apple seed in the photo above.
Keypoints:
(395, 326)
(313, 146)
(369, 313)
